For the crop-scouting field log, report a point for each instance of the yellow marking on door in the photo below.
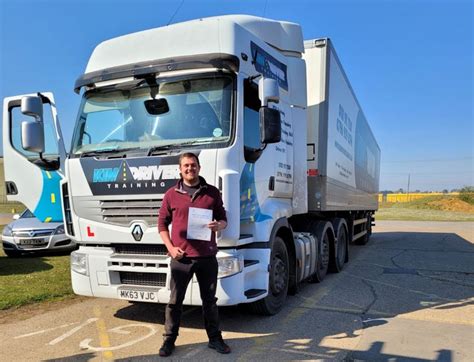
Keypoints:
(53, 198)
(48, 174)
(48, 219)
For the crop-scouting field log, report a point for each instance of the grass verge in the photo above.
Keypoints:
(431, 208)
(412, 214)
(32, 279)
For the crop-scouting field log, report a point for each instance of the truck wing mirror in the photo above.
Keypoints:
(270, 125)
(32, 136)
(32, 133)
(32, 106)
(268, 91)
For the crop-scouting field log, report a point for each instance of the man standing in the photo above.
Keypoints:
(190, 256)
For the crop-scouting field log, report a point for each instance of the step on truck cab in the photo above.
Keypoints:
(275, 124)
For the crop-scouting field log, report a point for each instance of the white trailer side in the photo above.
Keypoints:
(343, 155)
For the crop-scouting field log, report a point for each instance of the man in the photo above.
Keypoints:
(190, 256)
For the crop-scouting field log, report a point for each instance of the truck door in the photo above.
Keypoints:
(33, 178)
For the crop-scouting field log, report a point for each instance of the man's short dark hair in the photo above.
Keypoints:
(188, 155)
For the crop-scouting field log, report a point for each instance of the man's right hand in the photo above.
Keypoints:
(175, 252)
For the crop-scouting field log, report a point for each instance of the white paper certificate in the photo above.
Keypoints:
(197, 224)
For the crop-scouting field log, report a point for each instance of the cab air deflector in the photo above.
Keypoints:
(214, 60)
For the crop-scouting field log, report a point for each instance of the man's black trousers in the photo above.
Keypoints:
(182, 271)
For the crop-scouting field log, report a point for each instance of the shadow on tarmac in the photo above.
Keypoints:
(84, 357)
(401, 272)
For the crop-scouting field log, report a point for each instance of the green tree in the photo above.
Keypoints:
(467, 194)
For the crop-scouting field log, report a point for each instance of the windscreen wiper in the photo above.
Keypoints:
(169, 146)
(111, 151)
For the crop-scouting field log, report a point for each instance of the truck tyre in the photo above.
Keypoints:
(339, 250)
(278, 281)
(321, 230)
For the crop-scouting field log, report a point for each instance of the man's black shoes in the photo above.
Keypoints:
(219, 345)
(166, 348)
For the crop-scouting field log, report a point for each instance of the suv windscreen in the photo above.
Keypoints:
(27, 214)
(143, 115)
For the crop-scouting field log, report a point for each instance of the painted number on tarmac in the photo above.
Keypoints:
(86, 343)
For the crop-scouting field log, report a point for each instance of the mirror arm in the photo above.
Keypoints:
(46, 162)
(150, 80)
(250, 78)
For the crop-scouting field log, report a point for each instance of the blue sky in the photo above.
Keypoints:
(410, 63)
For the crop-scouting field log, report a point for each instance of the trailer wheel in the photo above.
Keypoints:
(368, 226)
(278, 281)
(322, 230)
(339, 250)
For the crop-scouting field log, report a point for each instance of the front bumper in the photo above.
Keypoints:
(50, 243)
(108, 273)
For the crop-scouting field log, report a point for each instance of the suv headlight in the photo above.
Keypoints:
(59, 230)
(79, 263)
(7, 231)
(229, 265)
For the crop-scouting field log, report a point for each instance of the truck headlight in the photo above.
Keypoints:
(79, 263)
(229, 265)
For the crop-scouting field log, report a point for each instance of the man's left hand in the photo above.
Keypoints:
(215, 225)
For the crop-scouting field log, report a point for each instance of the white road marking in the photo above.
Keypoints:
(85, 344)
(72, 331)
(44, 330)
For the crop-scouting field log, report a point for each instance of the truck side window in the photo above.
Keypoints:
(252, 143)
(50, 143)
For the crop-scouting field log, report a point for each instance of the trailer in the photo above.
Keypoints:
(276, 126)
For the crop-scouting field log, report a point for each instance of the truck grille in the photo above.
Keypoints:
(32, 233)
(141, 249)
(123, 212)
(148, 279)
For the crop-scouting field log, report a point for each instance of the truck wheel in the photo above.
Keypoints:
(339, 250)
(322, 230)
(278, 281)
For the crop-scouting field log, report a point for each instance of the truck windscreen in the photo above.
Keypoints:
(144, 115)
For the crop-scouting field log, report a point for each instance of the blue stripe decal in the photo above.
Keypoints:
(49, 208)
(249, 207)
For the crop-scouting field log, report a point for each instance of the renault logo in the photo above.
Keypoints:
(137, 233)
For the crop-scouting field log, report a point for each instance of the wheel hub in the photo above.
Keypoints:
(278, 276)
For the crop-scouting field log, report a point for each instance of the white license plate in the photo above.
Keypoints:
(31, 241)
(138, 295)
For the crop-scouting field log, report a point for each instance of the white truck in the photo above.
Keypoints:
(277, 128)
